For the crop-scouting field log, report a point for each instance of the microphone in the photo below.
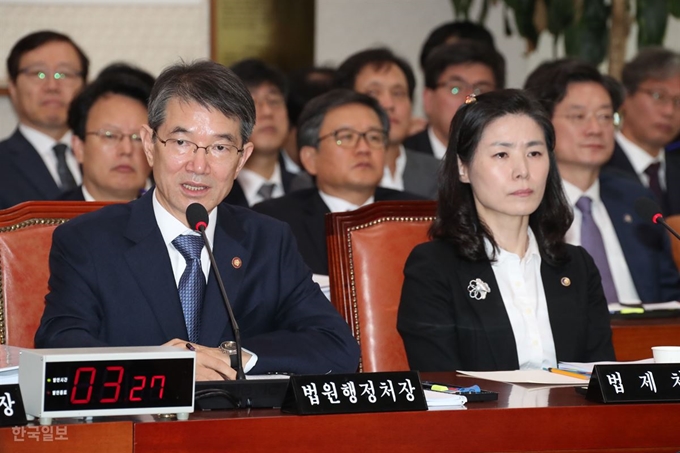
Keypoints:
(650, 210)
(197, 216)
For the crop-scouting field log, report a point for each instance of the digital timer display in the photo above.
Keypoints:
(116, 384)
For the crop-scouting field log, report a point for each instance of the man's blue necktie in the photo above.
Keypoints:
(192, 283)
(591, 240)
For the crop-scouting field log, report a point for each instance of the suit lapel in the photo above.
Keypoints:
(29, 163)
(232, 260)
(315, 211)
(560, 309)
(673, 181)
(150, 264)
(491, 314)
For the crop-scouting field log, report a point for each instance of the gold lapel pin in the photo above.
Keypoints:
(566, 281)
(236, 262)
(628, 218)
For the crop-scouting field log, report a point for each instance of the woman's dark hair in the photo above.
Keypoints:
(457, 219)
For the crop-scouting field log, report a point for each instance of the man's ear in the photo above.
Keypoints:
(308, 156)
(244, 156)
(427, 102)
(147, 140)
(463, 172)
(78, 147)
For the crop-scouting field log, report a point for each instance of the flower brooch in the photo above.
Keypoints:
(478, 289)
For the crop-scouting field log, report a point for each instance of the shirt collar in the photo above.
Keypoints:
(503, 255)
(43, 143)
(573, 193)
(438, 148)
(336, 204)
(288, 163)
(171, 227)
(251, 181)
(638, 157)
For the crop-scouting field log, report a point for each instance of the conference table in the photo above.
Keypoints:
(633, 338)
(524, 418)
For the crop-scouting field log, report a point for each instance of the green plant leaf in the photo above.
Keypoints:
(561, 14)
(588, 38)
(674, 8)
(462, 8)
(652, 17)
(524, 19)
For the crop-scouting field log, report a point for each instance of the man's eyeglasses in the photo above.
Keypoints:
(41, 75)
(459, 87)
(181, 148)
(349, 138)
(581, 119)
(113, 138)
(662, 98)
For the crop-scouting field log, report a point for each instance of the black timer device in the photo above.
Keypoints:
(88, 382)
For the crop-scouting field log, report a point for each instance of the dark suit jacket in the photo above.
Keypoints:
(112, 284)
(421, 174)
(304, 211)
(23, 174)
(419, 142)
(237, 197)
(75, 194)
(671, 202)
(645, 246)
(444, 329)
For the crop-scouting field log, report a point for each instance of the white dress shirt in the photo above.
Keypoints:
(395, 181)
(438, 148)
(641, 159)
(623, 281)
(251, 183)
(521, 287)
(336, 204)
(43, 144)
(289, 164)
(170, 228)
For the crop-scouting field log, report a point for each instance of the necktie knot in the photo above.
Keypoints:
(585, 204)
(266, 190)
(653, 170)
(65, 175)
(189, 246)
(60, 150)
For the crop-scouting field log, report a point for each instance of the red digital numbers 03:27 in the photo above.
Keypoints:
(84, 384)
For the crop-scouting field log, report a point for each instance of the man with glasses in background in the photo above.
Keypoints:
(46, 71)
(651, 120)
(453, 72)
(106, 119)
(342, 136)
(134, 274)
(632, 254)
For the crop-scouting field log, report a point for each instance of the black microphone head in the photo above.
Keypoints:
(648, 209)
(197, 216)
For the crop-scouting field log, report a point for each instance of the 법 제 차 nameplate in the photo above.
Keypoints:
(353, 393)
(635, 383)
(11, 406)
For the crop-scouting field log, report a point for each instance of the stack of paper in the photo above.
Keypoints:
(526, 377)
(9, 364)
(443, 399)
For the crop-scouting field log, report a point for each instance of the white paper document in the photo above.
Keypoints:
(587, 367)
(675, 305)
(526, 377)
(442, 399)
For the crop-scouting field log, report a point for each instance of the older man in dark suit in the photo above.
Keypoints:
(137, 274)
(342, 137)
(46, 70)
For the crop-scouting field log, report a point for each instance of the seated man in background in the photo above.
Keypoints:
(264, 176)
(390, 80)
(342, 137)
(451, 73)
(632, 254)
(46, 71)
(135, 274)
(651, 119)
(106, 119)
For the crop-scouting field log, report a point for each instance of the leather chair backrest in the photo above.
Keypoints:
(25, 242)
(367, 250)
(674, 222)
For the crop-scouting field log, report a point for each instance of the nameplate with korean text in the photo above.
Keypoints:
(353, 393)
(635, 383)
(12, 411)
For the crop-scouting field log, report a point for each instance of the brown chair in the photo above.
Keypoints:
(674, 222)
(367, 250)
(25, 241)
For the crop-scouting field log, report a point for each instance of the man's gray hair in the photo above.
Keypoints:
(210, 85)
(650, 63)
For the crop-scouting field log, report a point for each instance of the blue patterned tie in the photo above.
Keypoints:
(591, 240)
(192, 283)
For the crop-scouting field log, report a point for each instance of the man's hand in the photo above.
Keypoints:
(211, 363)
